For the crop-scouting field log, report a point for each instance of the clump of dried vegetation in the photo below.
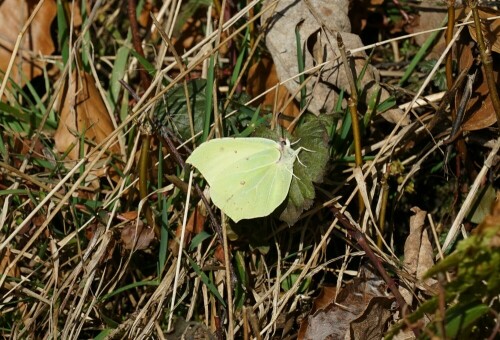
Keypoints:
(392, 223)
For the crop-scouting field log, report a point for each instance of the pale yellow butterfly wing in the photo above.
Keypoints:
(248, 177)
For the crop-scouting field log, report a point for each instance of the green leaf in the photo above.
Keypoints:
(208, 97)
(460, 319)
(312, 135)
(118, 72)
(172, 112)
(386, 104)
(127, 287)
(198, 239)
(103, 334)
(207, 281)
(241, 58)
(290, 280)
(62, 32)
(241, 272)
(150, 68)
(422, 52)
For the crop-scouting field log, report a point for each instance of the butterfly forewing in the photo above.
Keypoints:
(216, 157)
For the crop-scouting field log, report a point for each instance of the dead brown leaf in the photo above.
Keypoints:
(360, 311)
(292, 18)
(144, 19)
(136, 236)
(36, 41)
(490, 28)
(418, 252)
(128, 215)
(219, 253)
(368, 14)
(6, 259)
(82, 111)
(480, 109)
(191, 33)
(479, 112)
(5, 262)
(325, 298)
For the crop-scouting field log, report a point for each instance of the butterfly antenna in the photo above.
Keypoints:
(299, 150)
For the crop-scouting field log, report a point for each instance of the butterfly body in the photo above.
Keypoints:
(248, 177)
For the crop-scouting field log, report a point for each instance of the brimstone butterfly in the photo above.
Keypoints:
(248, 177)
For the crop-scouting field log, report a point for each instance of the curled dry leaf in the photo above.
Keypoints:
(360, 311)
(300, 18)
(36, 41)
(136, 236)
(481, 108)
(82, 111)
(418, 252)
(490, 28)
(479, 112)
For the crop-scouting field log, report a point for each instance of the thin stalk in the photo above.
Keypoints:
(211, 80)
(384, 183)
(449, 37)
(143, 181)
(146, 139)
(357, 145)
(352, 103)
(301, 65)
